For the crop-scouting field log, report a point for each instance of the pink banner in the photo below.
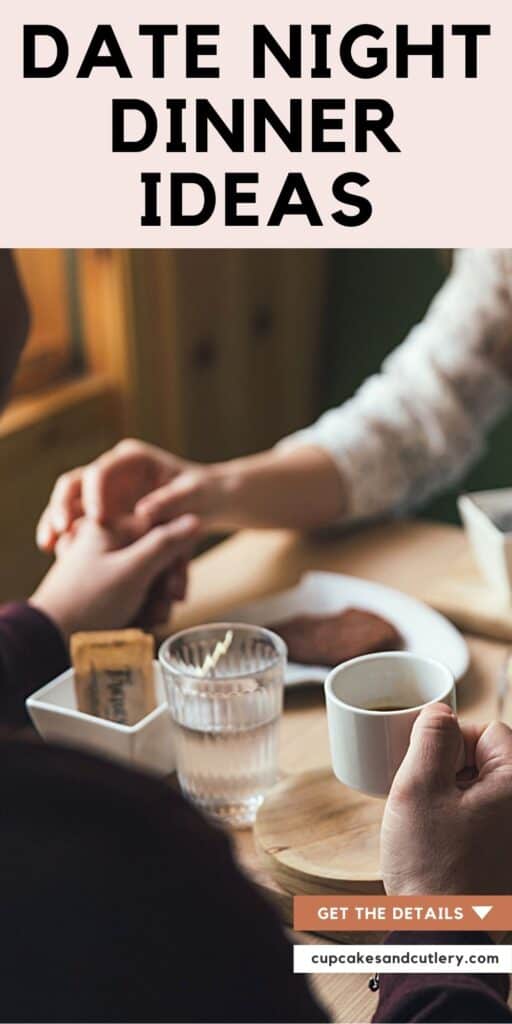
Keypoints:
(214, 124)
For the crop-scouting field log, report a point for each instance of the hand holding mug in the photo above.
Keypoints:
(446, 831)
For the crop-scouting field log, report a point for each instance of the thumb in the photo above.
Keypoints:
(436, 751)
(161, 546)
(494, 749)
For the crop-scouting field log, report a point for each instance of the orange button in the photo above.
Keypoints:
(402, 913)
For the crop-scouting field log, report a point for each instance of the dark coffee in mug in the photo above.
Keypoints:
(388, 707)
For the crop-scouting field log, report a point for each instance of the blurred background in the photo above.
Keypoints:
(209, 354)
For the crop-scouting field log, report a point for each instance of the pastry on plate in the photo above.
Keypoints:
(331, 639)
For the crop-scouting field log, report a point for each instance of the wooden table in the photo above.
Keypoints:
(407, 556)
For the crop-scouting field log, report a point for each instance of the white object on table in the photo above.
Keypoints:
(369, 745)
(425, 631)
(148, 744)
(492, 547)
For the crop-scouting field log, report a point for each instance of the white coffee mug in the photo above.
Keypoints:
(368, 745)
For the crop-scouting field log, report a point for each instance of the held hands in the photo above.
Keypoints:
(297, 487)
(136, 489)
(118, 558)
(136, 485)
(447, 826)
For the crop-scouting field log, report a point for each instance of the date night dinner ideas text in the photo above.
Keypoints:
(194, 124)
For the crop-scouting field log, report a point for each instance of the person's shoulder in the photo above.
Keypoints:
(105, 795)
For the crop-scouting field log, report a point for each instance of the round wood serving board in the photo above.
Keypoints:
(318, 836)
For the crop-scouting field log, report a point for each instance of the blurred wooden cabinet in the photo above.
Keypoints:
(209, 354)
(49, 354)
(229, 346)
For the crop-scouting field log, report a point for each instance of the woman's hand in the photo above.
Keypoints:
(106, 579)
(447, 826)
(299, 488)
(115, 489)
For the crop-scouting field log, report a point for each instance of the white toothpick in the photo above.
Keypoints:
(221, 648)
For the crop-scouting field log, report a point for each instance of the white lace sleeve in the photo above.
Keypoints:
(416, 426)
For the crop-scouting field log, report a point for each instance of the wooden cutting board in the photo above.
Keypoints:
(317, 836)
(462, 595)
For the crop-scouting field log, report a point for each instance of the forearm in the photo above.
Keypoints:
(416, 426)
(296, 488)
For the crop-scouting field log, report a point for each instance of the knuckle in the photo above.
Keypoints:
(501, 730)
(440, 723)
(197, 479)
(450, 733)
(437, 718)
(156, 504)
(410, 788)
(160, 535)
(192, 485)
(62, 483)
(128, 445)
(409, 793)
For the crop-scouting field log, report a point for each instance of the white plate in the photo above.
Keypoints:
(424, 631)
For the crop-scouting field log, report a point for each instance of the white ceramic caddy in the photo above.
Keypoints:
(492, 547)
(148, 744)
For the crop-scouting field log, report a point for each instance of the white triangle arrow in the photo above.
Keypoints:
(482, 911)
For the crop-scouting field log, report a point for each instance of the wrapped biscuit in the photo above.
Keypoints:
(114, 674)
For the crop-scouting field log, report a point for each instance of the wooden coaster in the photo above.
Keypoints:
(317, 836)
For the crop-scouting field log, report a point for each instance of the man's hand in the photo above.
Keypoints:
(105, 579)
(447, 825)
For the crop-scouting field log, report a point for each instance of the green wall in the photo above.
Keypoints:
(375, 296)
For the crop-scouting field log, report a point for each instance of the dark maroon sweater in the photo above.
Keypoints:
(119, 902)
(32, 652)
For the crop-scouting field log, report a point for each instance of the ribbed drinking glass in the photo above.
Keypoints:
(226, 718)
